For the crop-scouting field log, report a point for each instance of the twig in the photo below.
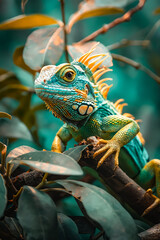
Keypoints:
(126, 42)
(125, 18)
(64, 29)
(136, 65)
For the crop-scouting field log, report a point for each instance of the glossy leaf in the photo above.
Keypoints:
(37, 215)
(11, 228)
(75, 152)
(43, 47)
(14, 128)
(18, 151)
(92, 9)
(77, 50)
(50, 162)
(157, 11)
(28, 21)
(19, 61)
(69, 227)
(5, 115)
(103, 209)
(3, 196)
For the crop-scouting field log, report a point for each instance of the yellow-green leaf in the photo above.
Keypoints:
(5, 115)
(18, 60)
(28, 21)
(157, 11)
(90, 9)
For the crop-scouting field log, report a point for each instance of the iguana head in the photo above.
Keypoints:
(69, 89)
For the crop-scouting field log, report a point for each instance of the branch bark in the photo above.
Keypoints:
(142, 202)
(125, 18)
(137, 66)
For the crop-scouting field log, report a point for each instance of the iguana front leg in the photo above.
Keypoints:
(124, 128)
(61, 139)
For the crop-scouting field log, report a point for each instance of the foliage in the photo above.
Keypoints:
(32, 212)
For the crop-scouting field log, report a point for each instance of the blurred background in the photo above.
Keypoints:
(140, 91)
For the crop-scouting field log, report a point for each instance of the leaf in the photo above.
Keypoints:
(91, 9)
(37, 215)
(3, 196)
(50, 162)
(11, 228)
(103, 209)
(157, 11)
(28, 21)
(43, 47)
(77, 50)
(18, 60)
(14, 128)
(75, 152)
(18, 151)
(5, 115)
(69, 227)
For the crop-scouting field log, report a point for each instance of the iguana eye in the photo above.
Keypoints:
(68, 75)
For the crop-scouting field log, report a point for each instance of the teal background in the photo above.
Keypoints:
(139, 90)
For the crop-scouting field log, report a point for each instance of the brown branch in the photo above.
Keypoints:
(151, 234)
(127, 42)
(125, 18)
(136, 65)
(129, 191)
(64, 29)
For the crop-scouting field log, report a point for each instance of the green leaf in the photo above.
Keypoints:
(5, 115)
(50, 162)
(28, 21)
(103, 209)
(43, 47)
(77, 50)
(157, 11)
(75, 152)
(11, 228)
(18, 60)
(37, 215)
(91, 9)
(18, 151)
(69, 227)
(3, 196)
(14, 128)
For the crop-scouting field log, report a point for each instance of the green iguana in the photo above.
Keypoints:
(74, 93)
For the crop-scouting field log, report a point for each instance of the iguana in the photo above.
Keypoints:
(74, 93)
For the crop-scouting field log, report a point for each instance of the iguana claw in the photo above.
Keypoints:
(111, 146)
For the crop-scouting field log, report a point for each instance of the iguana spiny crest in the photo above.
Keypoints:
(76, 84)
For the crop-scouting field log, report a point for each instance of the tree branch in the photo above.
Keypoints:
(142, 202)
(136, 65)
(127, 42)
(64, 29)
(125, 18)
